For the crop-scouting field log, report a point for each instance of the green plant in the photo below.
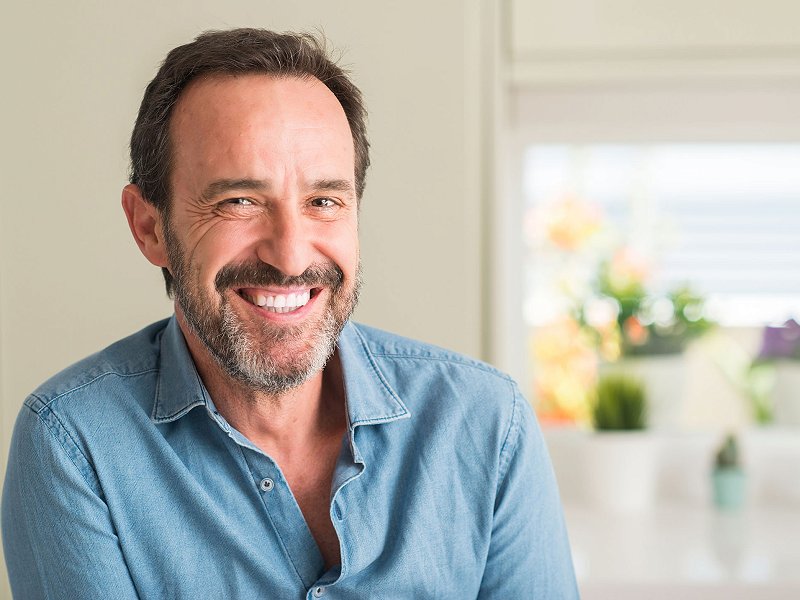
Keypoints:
(753, 379)
(727, 456)
(620, 404)
(639, 321)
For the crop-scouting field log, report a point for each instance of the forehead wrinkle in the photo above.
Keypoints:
(294, 137)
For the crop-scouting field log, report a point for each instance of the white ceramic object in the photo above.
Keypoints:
(786, 393)
(621, 470)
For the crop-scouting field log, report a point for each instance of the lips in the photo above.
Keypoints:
(267, 288)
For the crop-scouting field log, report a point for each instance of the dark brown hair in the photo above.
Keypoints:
(236, 51)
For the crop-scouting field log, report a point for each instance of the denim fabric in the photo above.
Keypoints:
(124, 482)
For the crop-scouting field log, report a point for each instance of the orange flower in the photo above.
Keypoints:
(570, 223)
(566, 371)
(636, 333)
(627, 271)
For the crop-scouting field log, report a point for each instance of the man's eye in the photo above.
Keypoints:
(239, 201)
(323, 202)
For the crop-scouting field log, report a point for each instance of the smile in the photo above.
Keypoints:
(277, 303)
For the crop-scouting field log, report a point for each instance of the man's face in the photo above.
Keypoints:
(262, 228)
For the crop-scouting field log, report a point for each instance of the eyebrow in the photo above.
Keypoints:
(333, 185)
(220, 186)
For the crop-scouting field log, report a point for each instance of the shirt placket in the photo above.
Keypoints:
(285, 517)
(281, 508)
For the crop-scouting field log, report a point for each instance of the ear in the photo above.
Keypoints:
(144, 219)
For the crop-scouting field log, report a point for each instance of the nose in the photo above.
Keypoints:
(286, 243)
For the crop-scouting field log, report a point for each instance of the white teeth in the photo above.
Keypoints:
(281, 303)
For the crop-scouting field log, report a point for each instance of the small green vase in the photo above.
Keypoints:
(729, 488)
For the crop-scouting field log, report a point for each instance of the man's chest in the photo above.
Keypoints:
(311, 488)
(222, 518)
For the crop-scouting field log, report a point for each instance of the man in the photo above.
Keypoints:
(258, 444)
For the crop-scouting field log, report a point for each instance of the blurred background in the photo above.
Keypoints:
(599, 197)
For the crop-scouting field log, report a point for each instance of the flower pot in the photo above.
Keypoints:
(729, 488)
(621, 470)
(786, 393)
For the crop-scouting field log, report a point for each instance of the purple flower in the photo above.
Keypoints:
(781, 342)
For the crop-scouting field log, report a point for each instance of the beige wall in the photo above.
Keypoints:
(71, 278)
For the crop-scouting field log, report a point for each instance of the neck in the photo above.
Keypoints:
(279, 424)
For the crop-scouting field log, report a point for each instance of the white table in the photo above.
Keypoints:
(681, 547)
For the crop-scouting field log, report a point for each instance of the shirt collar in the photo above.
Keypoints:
(179, 388)
(370, 398)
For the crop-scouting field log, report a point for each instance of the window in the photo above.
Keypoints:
(722, 218)
(702, 180)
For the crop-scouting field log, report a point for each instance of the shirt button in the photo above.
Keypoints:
(267, 484)
(319, 591)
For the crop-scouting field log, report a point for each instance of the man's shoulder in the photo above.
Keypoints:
(131, 356)
(405, 355)
(382, 343)
(446, 393)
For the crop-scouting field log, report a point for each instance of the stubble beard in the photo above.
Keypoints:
(261, 356)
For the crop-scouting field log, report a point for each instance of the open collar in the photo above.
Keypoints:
(179, 387)
(369, 397)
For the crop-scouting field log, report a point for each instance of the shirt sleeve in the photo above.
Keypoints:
(529, 553)
(58, 536)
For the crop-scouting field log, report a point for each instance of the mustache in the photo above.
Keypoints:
(258, 274)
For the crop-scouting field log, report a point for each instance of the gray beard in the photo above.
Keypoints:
(242, 350)
(239, 354)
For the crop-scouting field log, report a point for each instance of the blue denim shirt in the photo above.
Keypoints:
(124, 482)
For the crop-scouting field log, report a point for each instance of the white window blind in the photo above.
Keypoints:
(721, 217)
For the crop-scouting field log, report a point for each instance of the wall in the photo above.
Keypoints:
(72, 279)
(568, 42)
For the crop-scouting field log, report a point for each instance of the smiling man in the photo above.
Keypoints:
(258, 443)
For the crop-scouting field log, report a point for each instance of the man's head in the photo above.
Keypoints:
(248, 198)
(233, 52)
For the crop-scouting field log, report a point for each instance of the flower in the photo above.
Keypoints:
(636, 333)
(608, 311)
(781, 342)
(567, 224)
(566, 373)
(625, 274)
(647, 323)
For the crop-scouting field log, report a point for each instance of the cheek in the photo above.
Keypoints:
(343, 249)
(223, 243)
(206, 257)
